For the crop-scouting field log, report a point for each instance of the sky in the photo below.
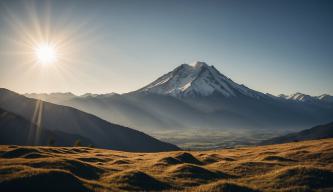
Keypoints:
(119, 46)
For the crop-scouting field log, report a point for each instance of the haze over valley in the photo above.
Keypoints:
(196, 98)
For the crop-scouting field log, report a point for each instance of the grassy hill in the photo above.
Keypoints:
(299, 166)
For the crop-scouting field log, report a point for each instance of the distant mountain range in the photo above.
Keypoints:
(300, 97)
(317, 132)
(199, 97)
(21, 116)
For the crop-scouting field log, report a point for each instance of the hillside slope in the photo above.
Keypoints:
(317, 132)
(299, 166)
(16, 130)
(70, 120)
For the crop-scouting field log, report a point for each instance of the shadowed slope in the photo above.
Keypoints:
(222, 186)
(43, 180)
(136, 181)
(317, 132)
(69, 120)
(187, 158)
(16, 130)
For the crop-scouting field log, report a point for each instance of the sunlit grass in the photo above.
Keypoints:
(299, 166)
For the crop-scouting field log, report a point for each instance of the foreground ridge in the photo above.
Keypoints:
(297, 166)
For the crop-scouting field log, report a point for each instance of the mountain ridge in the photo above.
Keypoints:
(323, 131)
(188, 86)
(28, 133)
(71, 120)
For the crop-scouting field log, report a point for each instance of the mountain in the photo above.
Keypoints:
(326, 98)
(197, 79)
(15, 130)
(70, 120)
(97, 95)
(52, 97)
(221, 103)
(198, 98)
(317, 132)
(301, 97)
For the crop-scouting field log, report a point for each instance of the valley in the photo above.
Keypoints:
(197, 107)
(166, 95)
(214, 139)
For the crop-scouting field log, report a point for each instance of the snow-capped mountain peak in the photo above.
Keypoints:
(198, 64)
(326, 98)
(301, 97)
(197, 79)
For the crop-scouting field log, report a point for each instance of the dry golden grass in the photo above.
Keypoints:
(299, 166)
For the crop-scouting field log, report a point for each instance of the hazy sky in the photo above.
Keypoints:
(118, 46)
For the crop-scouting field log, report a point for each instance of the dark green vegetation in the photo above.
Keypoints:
(298, 166)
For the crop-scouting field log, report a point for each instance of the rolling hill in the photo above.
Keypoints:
(298, 166)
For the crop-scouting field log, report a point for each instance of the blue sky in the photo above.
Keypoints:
(119, 46)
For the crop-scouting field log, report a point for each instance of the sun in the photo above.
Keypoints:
(46, 54)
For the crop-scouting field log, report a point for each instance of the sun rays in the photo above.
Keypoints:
(48, 49)
(36, 119)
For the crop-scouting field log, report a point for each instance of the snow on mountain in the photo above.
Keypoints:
(198, 79)
(326, 98)
(301, 97)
